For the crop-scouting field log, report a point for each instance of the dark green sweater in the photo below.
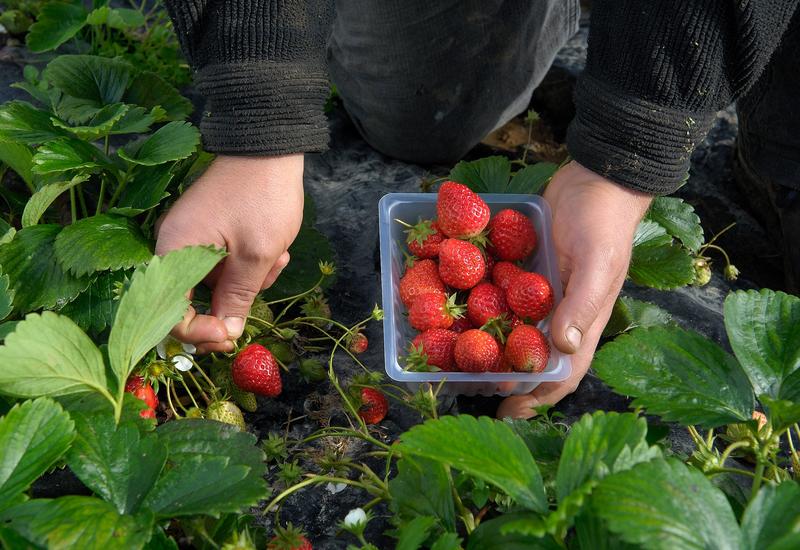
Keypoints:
(656, 73)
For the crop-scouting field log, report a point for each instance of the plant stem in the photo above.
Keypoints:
(200, 388)
(82, 201)
(105, 145)
(101, 196)
(72, 208)
(466, 515)
(757, 477)
(125, 177)
(732, 447)
(715, 471)
(191, 395)
(311, 481)
(213, 386)
(169, 400)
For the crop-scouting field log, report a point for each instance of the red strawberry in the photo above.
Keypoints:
(484, 302)
(358, 343)
(504, 272)
(424, 238)
(512, 235)
(477, 351)
(373, 406)
(421, 278)
(433, 310)
(460, 325)
(490, 263)
(437, 346)
(256, 370)
(144, 391)
(289, 538)
(527, 349)
(530, 296)
(461, 213)
(514, 322)
(461, 264)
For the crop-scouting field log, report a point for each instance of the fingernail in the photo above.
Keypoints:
(235, 326)
(574, 336)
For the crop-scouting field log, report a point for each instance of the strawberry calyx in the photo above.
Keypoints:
(417, 360)
(498, 327)
(288, 538)
(456, 311)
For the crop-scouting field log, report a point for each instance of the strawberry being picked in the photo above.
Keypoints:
(461, 264)
(433, 310)
(527, 349)
(512, 235)
(530, 296)
(421, 278)
(140, 389)
(460, 212)
(256, 370)
(288, 538)
(477, 351)
(373, 406)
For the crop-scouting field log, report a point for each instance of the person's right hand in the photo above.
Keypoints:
(252, 206)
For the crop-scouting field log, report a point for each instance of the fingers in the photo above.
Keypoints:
(592, 283)
(196, 329)
(238, 283)
(279, 266)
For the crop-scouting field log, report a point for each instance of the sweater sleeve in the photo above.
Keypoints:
(260, 66)
(656, 74)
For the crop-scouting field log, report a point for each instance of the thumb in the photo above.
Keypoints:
(593, 282)
(236, 288)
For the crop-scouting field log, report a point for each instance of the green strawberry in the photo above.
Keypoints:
(221, 375)
(226, 412)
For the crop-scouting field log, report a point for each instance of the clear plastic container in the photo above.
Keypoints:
(397, 333)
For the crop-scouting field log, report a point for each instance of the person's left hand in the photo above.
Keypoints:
(594, 220)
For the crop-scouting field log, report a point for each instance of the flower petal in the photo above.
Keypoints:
(182, 363)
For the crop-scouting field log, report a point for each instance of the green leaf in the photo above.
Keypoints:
(422, 488)
(99, 125)
(447, 541)
(558, 521)
(102, 242)
(663, 504)
(591, 533)
(782, 413)
(773, 517)
(7, 328)
(764, 331)
(484, 448)
(33, 436)
(490, 535)
(137, 120)
(44, 197)
(22, 122)
(94, 308)
(116, 18)
(532, 179)
(48, 354)
(308, 249)
(160, 290)
(149, 90)
(117, 463)
(413, 533)
(656, 261)
(147, 187)
(66, 154)
(486, 175)
(601, 444)
(679, 219)
(678, 375)
(57, 23)
(629, 314)
(36, 277)
(91, 80)
(81, 522)
(6, 296)
(173, 141)
(214, 469)
(18, 157)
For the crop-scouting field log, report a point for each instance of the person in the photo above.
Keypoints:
(424, 81)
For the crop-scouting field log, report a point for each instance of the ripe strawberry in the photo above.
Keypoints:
(140, 389)
(256, 370)
(289, 538)
(423, 239)
(421, 278)
(373, 406)
(435, 345)
(227, 412)
(512, 235)
(490, 263)
(433, 310)
(357, 343)
(461, 213)
(530, 296)
(484, 302)
(503, 273)
(477, 351)
(461, 264)
(460, 325)
(527, 349)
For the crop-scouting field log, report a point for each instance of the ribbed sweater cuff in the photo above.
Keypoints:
(631, 141)
(263, 108)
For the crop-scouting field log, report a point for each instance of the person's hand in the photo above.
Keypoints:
(252, 206)
(594, 220)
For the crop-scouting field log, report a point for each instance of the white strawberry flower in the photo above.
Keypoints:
(355, 517)
(334, 488)
(177, 352)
